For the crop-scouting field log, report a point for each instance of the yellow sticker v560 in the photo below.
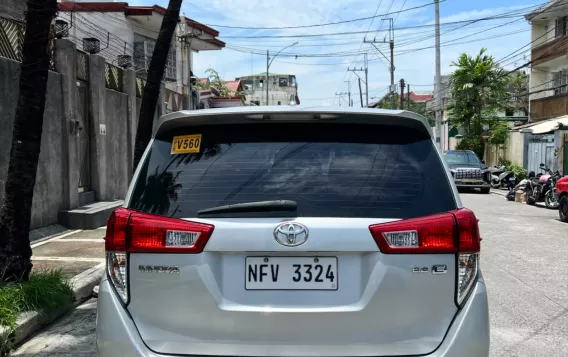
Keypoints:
(186, 144)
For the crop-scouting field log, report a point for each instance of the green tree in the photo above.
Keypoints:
(16, 207)
(154, 80)
(215, 82)
(518, 87)
(416, 107)
(420, 108)
(479, 89)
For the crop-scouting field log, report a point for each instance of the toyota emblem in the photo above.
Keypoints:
(291, 234)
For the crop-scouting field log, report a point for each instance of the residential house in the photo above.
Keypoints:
(126, 36)
(549, 70)
(212, 98)
(282, 89)
(548, 86)
(418, 97)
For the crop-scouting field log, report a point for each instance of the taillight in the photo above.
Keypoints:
(453, 232)
(155, 234)
(134, 232)
(433, 234)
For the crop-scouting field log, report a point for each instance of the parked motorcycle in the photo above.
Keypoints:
(541, 187)
(500, 177)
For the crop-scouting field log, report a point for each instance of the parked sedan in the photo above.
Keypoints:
(468, 171)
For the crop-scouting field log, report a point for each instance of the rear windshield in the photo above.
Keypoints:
(330, 170)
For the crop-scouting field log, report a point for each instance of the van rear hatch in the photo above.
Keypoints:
(301, 280)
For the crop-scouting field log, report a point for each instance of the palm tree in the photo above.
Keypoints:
(479, 90)
(16, 208)
(155, 75)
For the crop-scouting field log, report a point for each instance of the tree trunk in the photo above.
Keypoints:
(15, 212)
(155, 75)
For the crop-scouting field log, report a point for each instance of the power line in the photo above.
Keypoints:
(349, 53)
(495, 17)
(362, 43)
(327, 23)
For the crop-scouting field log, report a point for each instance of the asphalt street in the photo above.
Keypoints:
(524, 263)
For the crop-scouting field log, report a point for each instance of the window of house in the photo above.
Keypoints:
(279, 103)
(560, 82)
(292, 81)
(509, 112)
(283, 82)
(248, 84)
(561, 26)
(143, 51)
(261, 83)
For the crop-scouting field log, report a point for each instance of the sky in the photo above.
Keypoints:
(321, 67)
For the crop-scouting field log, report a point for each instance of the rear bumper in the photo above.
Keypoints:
(117, 335)
(481, 184)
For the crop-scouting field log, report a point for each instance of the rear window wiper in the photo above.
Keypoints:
(262, 206)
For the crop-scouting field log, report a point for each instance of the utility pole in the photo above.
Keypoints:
(267, 67)
(186, 39)
(355, 70)
(402, 86)
(437, 87)
(360, 93)
(366, 81)
(269, 62)
(341, 97)
(392, 88)
(408, 99)
(349, 92)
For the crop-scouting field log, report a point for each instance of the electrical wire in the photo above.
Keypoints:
(327, 23)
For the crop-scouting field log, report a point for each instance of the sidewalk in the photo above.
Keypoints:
(73, 252)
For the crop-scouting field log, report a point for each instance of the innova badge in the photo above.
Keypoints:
(291, 234)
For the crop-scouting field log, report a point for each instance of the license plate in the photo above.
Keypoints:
(291, 273)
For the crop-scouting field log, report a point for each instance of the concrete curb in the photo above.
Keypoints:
(30, 322)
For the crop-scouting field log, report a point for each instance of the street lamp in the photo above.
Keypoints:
(269, 62)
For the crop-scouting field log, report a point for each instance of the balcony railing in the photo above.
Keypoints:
(549, 107)
(549, 50)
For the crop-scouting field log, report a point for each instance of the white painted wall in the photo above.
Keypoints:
(122, 31)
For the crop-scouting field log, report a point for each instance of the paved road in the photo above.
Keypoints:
(524, 262)
(525, 265)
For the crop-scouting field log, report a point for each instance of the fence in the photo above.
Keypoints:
(114, 77)
(11, 38)
(82, 66)
(140, 84)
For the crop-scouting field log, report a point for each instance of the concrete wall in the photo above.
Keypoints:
(48, 192)
(13, 9)
(515, 148)
(110, 117)
(117, 160)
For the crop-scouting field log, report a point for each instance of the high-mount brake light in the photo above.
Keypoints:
(129, 231)
(446, 233)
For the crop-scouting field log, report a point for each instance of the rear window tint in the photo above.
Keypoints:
(330, 170)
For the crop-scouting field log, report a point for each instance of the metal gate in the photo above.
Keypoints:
(541, 151)
(84, 138)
